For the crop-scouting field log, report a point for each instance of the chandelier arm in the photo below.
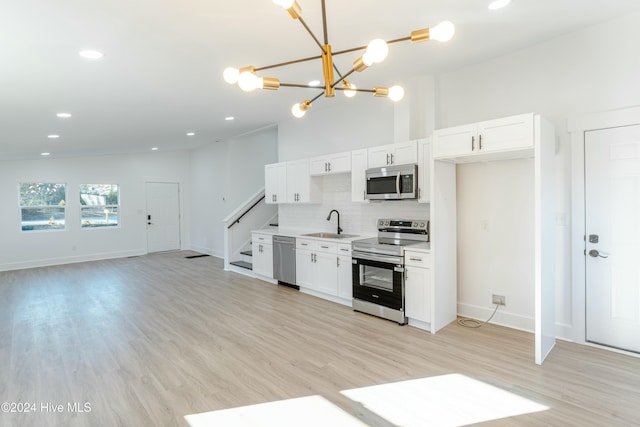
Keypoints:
(282, 64)
(356, 90)
(324, 24)
(301, 86)
(353, 49)
(316, 97)
(337, 82)
(304, 24)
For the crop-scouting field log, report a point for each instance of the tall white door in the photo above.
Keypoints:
(612, 205)
(163, 216)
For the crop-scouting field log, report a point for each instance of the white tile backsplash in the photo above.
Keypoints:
(355, 218)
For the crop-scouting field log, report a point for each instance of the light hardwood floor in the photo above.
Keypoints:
(148, 340)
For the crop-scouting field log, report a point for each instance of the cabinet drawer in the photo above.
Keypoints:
(262, 238)
(317, 245)
(417, 259)
(344, 249)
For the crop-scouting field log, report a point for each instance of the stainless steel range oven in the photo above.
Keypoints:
(378, 267)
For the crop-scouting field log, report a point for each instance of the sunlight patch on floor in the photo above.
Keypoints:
(311, 411)
(447, 400)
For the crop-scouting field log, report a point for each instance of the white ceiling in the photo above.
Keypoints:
(161, 75)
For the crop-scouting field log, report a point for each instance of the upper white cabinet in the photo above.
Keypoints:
(330, 164)
(490, 140)
(301, 187)
(424, 170)
(358, 177)
(393, 154)
(275, 183)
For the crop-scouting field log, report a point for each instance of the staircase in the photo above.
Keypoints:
(244, 262)
(253, 214)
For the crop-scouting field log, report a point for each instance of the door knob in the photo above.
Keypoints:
(595, 254)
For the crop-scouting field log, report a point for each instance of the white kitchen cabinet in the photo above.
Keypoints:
(317, 266)
(262, 254)
(417, 286)
(489, 140)
(345, 278)
(393, 154)
(330, 164)
(275, 183)
(358, 175)
(424, 170)
(302, 187)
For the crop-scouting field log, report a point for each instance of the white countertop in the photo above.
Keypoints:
(300, 234)
(420, 247)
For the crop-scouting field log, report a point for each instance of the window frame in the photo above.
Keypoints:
(110, 206)
(63, 207)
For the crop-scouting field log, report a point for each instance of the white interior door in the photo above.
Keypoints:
(612, 222)
(163, 217)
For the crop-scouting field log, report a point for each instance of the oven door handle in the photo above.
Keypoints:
(395, 260)
(398, 184)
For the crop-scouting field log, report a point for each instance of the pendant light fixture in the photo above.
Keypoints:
(376, 51)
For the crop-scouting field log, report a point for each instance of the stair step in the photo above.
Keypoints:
(243, 264)
(247, 253)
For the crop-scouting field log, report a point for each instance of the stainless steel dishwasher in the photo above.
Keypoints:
(284, 260)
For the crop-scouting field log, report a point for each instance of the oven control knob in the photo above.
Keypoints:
(422, 225)
(381, 223)
(414, 225)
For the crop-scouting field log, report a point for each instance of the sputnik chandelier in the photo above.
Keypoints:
(376, 51)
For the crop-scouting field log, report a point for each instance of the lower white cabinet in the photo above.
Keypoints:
(324, 267)
(418, 300)
(262, 254)
(345, 278)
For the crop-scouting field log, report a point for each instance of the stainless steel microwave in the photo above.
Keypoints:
(392, 182)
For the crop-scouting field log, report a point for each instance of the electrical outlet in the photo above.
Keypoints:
(499, 299)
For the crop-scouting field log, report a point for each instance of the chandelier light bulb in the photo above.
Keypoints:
(231, 75)
(442, 32)
(396, 93)
(349, 93)
(286, 4)
(248, 81)
(297, 111)
(499, 4)
(377, 50)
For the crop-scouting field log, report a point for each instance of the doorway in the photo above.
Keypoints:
(612, 237)
(163, 216)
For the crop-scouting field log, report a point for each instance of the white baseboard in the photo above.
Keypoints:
(69, 260)
(502, 317)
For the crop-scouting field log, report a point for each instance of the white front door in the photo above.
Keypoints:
(163, 217)
(612, 222)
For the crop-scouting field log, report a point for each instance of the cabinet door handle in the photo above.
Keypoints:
(391, 158)
(325, 167)
(473, 143)
(344, 250)
(324, 247)
(479, 142)
(387, 158)
(304, 244)
(337, 261)
(329, 166)
(415, 259)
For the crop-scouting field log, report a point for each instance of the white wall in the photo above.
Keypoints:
(28, 249)
(590, 70)
(223, 175)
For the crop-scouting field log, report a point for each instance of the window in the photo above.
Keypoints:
(42, 206)
(99, 205)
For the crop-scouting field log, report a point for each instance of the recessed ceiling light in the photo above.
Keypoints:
(499, 4)
(229, 118)
(45, 154)
(155, 149)
(190, 133)
(63, 115)
(90, 54)
(53, 136)
(314, 83)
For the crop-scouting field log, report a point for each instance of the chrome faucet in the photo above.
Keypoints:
(329, 219)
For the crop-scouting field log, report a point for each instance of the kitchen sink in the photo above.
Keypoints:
(330, 235)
